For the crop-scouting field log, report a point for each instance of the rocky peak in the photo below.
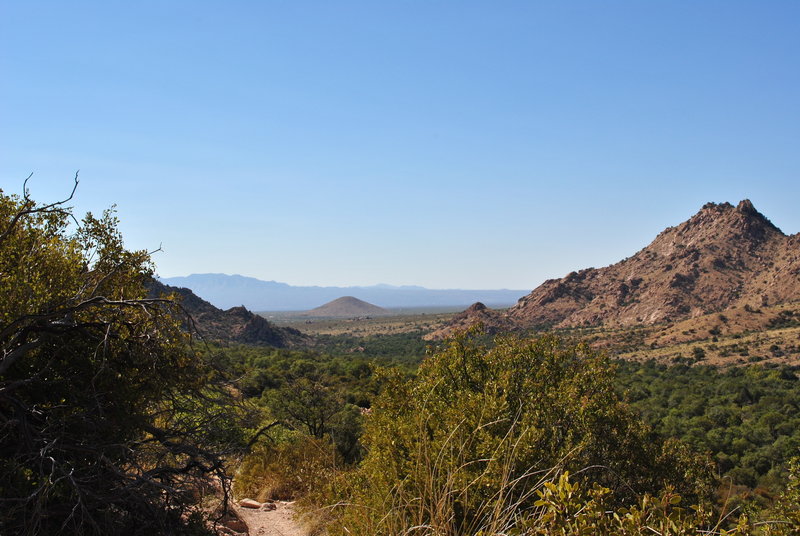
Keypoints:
(240, 311)
(721, 226)
(746, 215)
(746, 206)
(476, 308)
(237, 324)
(493, 321)
(723, 256)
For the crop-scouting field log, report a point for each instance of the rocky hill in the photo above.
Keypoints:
(236, 324)
(347, 306)
(722, 257)
(477, 313)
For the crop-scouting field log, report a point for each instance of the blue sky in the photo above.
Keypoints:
(445, 144)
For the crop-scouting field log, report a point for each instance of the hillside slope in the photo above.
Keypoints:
(722, 257)
(236, 324)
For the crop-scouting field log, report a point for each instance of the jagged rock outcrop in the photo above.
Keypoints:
(233, 325)
(724, 256)
(492, 321)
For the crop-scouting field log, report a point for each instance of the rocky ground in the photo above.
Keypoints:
(271, 519)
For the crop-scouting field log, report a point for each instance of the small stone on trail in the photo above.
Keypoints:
(249, 503)
(234, 525)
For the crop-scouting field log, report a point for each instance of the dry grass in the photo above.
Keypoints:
(285, 471)
(735, 337)
(743, 335)
(414, 320)
(431, 505)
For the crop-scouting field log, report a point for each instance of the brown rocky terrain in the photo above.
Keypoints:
(236, 324)
(347, 306)
(737, 336)
(723, 257)
(493, 321)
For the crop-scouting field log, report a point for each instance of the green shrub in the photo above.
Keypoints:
(787, 507)
(287, 470)
(465, 446)
(108, 422)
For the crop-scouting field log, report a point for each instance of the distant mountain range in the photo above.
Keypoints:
(227, 291)
(723, 257)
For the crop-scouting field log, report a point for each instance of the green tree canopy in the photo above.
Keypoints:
(101, 427)
(481, 428)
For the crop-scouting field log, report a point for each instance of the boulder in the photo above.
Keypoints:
(250, 503)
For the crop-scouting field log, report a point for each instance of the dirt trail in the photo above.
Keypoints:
(278, 522)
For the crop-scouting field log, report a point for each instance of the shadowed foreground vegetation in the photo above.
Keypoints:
(110, 422)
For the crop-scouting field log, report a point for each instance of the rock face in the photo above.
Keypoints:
(234, 325)
(347, 306)
(477, 313)
(724, 256)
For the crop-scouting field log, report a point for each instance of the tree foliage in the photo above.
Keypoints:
(105, 421)
(481, 428)
(748, 418)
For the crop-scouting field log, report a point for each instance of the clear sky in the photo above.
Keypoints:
(440, 143)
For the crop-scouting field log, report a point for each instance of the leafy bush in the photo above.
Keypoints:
(464, 446)
(314, 408)
(107, 419)
(787, 507)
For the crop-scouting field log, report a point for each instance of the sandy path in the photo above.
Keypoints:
(278, 522)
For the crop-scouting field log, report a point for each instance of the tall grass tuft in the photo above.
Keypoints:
(285, 471)
(444, 484)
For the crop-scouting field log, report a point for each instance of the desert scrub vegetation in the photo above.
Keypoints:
(442, 441)
(747, 418)
(286, 469)
(474, 441)
(110, 423)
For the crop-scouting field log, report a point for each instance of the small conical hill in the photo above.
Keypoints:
(347, 306)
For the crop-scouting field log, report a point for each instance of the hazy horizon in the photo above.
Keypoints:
(444, 145)
(378, 285)
(226, 291)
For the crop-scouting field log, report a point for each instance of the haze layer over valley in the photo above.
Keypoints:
(227, 291)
